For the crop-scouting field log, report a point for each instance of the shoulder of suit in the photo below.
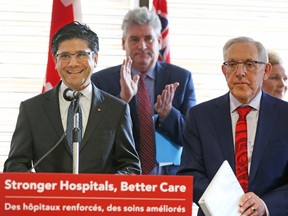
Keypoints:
(110, 98)
(172, 67)
(43, 96)
(273, 100)
(218, 101)
(107, 70)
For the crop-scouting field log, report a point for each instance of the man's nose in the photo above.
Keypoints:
(283, 82)
(240, 69)
(142, 44)
(73, 59)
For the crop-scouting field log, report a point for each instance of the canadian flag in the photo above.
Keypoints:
(63, 12)
(160, 7)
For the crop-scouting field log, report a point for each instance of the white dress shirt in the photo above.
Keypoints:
(252, 121)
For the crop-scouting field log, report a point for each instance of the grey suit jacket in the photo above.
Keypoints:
(107, 145)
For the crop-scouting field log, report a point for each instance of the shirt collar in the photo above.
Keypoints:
(87, 92)
(150, 73)
(255, 103)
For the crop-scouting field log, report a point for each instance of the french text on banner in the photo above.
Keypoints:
(88, 194)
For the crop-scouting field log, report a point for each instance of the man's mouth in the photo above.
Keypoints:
(74, 72)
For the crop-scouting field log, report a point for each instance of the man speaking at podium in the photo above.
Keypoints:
(106, 143)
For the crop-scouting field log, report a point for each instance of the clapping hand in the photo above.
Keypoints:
(129, 85)
(163, 104)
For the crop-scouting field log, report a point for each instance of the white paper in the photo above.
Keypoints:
(223, 194)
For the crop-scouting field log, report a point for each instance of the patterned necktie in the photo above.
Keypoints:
(146, 128)
(70, 125)
(241, 158)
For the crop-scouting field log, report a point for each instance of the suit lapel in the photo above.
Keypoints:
(161, 79)
(97, 110)
(267, 117)
(51, 108)
(223, 126)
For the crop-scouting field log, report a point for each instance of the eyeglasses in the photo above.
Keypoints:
(80, 56)
(248, 65)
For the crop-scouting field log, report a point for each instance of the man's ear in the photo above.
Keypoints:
(55, 62)
(223, 69)
(95, 58)
(123, 43)
(160, 41)
(267, 71)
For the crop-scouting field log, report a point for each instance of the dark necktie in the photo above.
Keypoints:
(146, 128)
(241, 157)
(70, 125)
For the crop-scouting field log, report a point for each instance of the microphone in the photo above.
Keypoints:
(47, 153)
(70, 94)
(74, 96)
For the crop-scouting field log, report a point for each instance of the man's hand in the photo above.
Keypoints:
(163, 104)
(251, 204)
(129, 86)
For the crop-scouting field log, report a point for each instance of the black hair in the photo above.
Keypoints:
(75, 30)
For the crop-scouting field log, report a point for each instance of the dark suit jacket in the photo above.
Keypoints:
(107, 145)
(172, 127)
(208, 141)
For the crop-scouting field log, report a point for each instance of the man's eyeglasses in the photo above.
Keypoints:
(248, 65)
(80, 56)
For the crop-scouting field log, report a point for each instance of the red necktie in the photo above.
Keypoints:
(146, 128)
(241, 158)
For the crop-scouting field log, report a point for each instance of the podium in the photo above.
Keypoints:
(56, 194)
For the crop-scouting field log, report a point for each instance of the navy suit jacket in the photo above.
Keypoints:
(208, 141)
(172, 127)
(107, 145)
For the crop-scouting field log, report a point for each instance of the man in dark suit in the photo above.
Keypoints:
(107, 144)
(210, 130)
(170, 88)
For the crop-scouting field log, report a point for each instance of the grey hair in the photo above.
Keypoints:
(141, 16)
(262, 53)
